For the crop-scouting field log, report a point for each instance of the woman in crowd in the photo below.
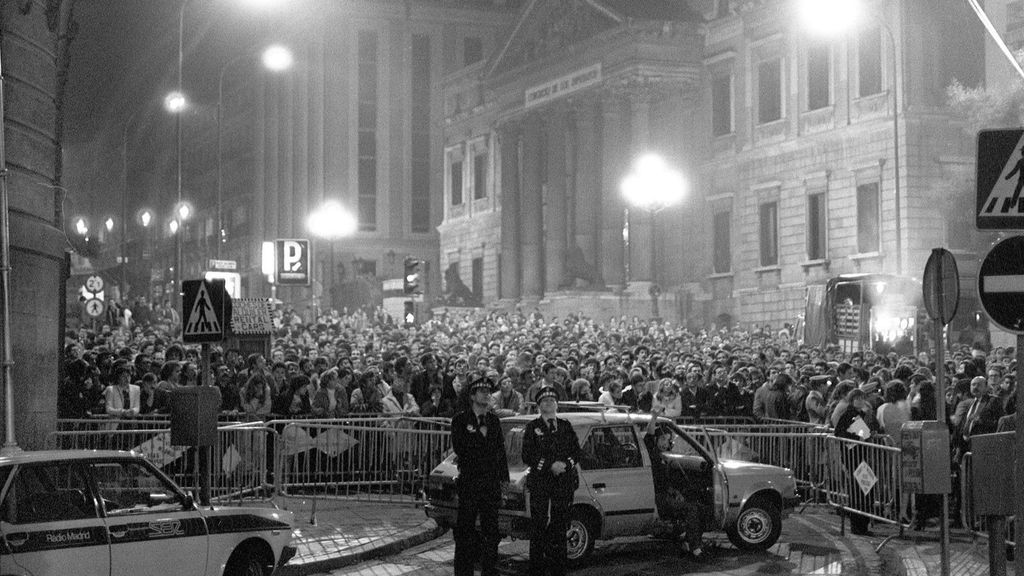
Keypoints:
(331, 400)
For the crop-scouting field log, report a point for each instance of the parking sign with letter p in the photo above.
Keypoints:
(293, 262)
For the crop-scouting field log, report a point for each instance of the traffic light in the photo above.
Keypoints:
(411, 279)
(410, 313)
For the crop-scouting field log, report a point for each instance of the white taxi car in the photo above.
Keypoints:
(615, 497)
(105, 512)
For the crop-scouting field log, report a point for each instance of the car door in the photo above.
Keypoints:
(49, 522)
(617, 480)
(154, 528)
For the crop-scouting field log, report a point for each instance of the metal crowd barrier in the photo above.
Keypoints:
(864, 478)
(968, 517)
(243, 468)
(382, 460)
(802, 452)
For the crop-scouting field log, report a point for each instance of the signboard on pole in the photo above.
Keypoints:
(1000, 180)
(941, 286)
(1001, 284)
(203, 311)
(293, 263)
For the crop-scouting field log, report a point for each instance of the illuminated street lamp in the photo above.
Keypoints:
(652, 186)
(145, 218)
(173, 225)
(275, 58)
(81, 227)
(109, 224)
(832, 18)
(331, 222)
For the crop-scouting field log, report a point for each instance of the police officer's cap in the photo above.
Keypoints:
(481, 383)
(547, 392)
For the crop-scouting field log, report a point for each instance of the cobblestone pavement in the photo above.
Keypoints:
(810, 544)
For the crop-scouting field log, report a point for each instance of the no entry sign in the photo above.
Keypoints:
(1001, 284)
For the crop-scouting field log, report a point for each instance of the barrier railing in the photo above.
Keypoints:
(968, 516)
(802, 452)
(864, 478)
(243, 467)
(386, 461)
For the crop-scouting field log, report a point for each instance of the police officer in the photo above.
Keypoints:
(483, 467)
(551, 450)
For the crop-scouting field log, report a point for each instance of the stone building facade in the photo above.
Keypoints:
(34, 54)
(787, 141)
(357, 120)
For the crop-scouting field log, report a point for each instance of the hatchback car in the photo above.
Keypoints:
(616, 495)
(105, 512)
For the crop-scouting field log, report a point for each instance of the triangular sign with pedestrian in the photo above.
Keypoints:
(202, 320)
(1005, 199)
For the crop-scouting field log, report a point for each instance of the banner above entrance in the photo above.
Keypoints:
(563, 86)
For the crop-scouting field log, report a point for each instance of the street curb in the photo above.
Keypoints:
(425, 532)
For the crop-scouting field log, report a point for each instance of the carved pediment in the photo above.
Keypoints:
(549, 27)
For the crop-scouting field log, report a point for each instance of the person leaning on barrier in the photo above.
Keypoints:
(483, 467)
(853, 425)
(551, 450)
(121, 399)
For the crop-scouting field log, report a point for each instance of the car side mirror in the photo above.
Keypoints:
(188, 502)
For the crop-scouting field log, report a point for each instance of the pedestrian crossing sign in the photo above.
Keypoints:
(1000, 180)
(203, 310)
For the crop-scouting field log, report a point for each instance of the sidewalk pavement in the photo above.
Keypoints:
(919, 553)
(330, 534)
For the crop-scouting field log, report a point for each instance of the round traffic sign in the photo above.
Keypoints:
(1001, 284)
(941, 286)
(94, 284)
(94, 307)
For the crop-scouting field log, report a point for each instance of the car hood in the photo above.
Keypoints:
(738, 468)
(449, 470)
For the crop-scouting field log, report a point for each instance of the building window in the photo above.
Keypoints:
(819, 73)
(721, 105)
(816, 228)
(420, 125)
(868, 233)
(472, 50)
(723, 9)
(478, 278)
(769, 87)
(769, 234)
(365, 268)
(455, 182)
(722, 242)
(869, 61)
(367, 127)
(480, 176)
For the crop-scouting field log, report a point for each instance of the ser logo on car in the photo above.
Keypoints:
(167, 528)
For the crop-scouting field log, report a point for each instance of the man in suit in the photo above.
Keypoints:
(981, 416)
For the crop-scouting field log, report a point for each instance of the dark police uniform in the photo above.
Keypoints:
(550, 495)
(483, 466)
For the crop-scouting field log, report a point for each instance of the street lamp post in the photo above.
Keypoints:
(275, 58)
(653, 186)
(331, 222)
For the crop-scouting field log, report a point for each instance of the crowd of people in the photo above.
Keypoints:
(365, 363)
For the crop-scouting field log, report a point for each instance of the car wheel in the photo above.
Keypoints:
(245, 562)
(579, 538)
(758, 526)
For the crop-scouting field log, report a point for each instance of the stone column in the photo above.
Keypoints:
(588, 181)
(531, 212)
(510, 195)
(614, 147)
(640, 229)
(555, 228)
